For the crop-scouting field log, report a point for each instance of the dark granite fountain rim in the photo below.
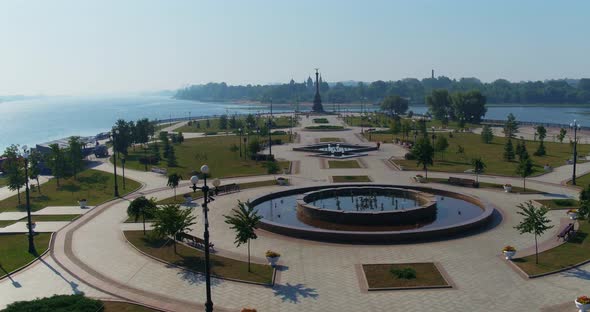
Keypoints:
(377, 236)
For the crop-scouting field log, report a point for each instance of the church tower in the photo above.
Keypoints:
(317, 99)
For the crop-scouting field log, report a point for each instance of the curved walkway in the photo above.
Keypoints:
(317, 276)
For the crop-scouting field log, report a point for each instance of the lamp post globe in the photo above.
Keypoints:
(205, 169)
(194, 180)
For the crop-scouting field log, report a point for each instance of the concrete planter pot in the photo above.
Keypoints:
(282, 181)
(582, 307)
(272, 261)
(508, 188)
(509, 254)
(82, 203)
(573, 215)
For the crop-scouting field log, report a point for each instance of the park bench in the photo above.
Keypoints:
(227, 188)
(193, 240)
(159, 170)
(567, 232)
(462, 182)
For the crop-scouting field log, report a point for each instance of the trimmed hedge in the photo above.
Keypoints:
(57, 303)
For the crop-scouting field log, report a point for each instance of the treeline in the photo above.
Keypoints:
(499, 91)
(21, 164)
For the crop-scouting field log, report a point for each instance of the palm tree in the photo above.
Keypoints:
(478, 167)
(142, 207)
(244, 221)
(173, 181)
(534, 221)
(171, 220)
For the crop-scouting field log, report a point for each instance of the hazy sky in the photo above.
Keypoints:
(83, 46)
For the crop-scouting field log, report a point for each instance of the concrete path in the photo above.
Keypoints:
(62, 210)
(41, 227)
(93, 253)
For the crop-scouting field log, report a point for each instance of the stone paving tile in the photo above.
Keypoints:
(12, 215)
(42, 227)
(62, 210)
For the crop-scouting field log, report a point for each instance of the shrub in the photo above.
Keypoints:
(409, 156)
(508, 248)
(564, 202)
(405, 273)
(272, 254)
(57, 303)
(272, 167)
(321, 120)
(279, 132)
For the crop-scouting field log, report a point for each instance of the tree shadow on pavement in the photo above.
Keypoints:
(195, 278)
(577, 273)
(14, 283)
(293, 293)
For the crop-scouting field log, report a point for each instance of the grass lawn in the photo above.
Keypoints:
(515, 189)
(492, 155)
(557, 204)
(379, 275)
(321, 120)
(383, 121)
(14, 250)
(3, 181)
(161, 126)
(349, 179)
(280, 122)
(213, 151)
(243, 186)
(96, 186)
(40, 219)
(325, 127)
(323, 140)
(113, 306)
(581, 181)
(574, 251)
(343, 164)
(194, 259)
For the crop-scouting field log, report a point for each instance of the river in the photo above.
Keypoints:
(44, 119)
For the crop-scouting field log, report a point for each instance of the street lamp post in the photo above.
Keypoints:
(240, 133)
(576, 126)
(269, 131)
(114, 134)
(433, 136)
(25, 156)
(206, 199)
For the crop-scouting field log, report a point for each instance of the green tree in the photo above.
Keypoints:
(441, 145)
(250, 121)
(522, 152)
(254, 146)
(76, 157)
(394, 104)
(395, 126)
(541, 134)
(524, 169)
(439, 104)
(424, 154)
(13, 167)
(56, 161)
(561, 136)
(173, 181)
(487, 136)
(478, 167)
(142, 207)
(534, 222)
(508, 151)
(511, 126)
(233, 122)
(171, 160)
(35, 160)
(244, 221)
(170, 220)
(222, 122)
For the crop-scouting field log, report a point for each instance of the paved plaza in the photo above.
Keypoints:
(91, 254)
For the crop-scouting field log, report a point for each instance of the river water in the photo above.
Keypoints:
(44, 119)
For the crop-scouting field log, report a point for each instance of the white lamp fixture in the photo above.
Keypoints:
(205, 169)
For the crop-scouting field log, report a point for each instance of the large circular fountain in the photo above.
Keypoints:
(373, 213)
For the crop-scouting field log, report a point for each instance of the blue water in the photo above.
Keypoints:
(44, 119)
